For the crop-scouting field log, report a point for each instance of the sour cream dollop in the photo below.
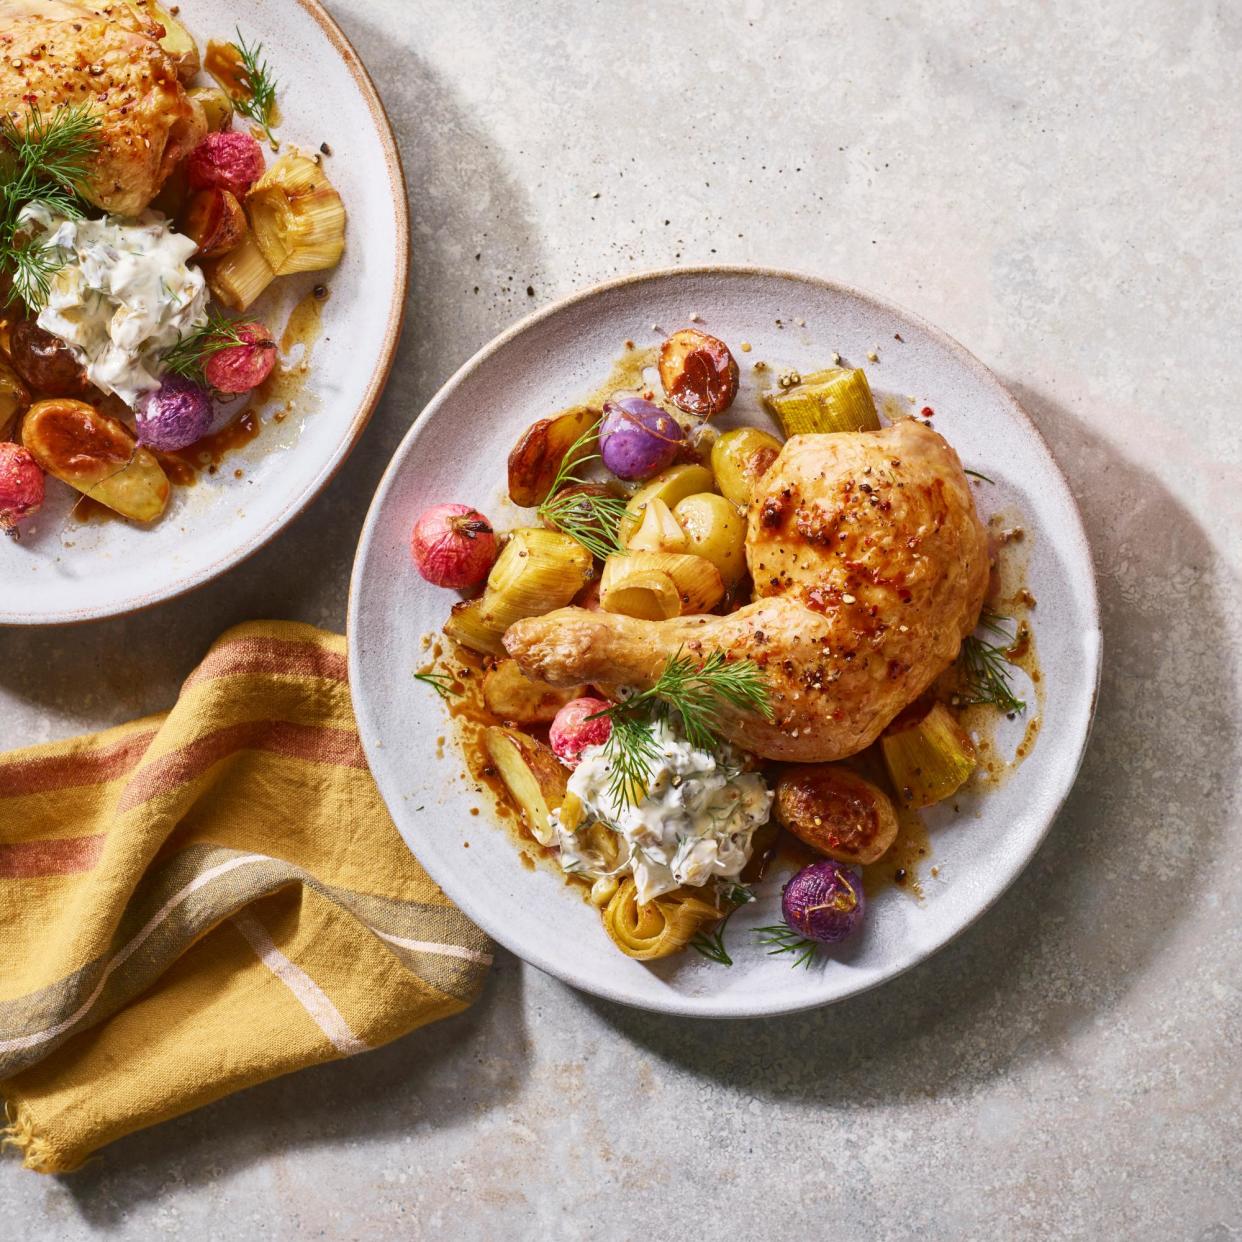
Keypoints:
(695, 823)
(124, 295)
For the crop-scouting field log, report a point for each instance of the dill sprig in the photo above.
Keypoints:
(711, 944)
(593, 520)
(780, 938)
(442, 683)
(189, 355)
(974, 474)
(258, 106)
(44, 163)
(985, 668)
(696, 695)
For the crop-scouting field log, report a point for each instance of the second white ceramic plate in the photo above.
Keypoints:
(63, 570)
(456, 452)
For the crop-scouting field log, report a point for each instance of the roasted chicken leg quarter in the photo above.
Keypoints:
(870, 566)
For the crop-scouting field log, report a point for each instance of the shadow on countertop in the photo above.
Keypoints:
(1115, 876)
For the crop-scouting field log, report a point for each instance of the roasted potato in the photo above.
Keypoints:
(215, 220)
(698, 372)
(45, 362)
(14, 396)
(177, 41)
(716, 531)
(216, 105)
(96, 455)
(509, 694)
(670, 486)
(538, 455)
(533, 775)
(740, 458)
(835, 811)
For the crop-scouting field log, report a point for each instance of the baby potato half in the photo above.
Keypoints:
(835, 811)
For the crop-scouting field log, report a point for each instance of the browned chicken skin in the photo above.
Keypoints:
(870, 566)
(55, 53)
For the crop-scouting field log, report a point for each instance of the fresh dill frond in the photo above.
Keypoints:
(259, 105)
(711, 944)
(985, 668)
(779, 938)
(441, 683)
(696, 695)
(43, 162)
(190, 354)
(594, 520)
(974, 474)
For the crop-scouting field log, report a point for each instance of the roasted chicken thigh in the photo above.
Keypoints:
(102, 55)
(870, 566)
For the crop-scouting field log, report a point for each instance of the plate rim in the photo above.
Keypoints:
(394, 168)
(1091, 638)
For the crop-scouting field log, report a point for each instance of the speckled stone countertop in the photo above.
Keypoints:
(1057, 186)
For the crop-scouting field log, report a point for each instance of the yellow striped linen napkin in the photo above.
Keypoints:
(199, 901)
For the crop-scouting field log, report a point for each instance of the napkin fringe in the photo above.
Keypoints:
(38, 1153)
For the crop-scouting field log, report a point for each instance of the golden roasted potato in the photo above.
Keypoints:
(509, 694)
(14, 396)
(96, 455)
(716, 531)
(670, 486)
(216, 105)
(215, 220)
(538, 455)
(533, 775)
(698, 372)
(835, 811)
(176, 40)
(740, 458)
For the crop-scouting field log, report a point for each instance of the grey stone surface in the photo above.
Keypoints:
(1058, 187)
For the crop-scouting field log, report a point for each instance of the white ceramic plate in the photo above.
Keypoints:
(62, 570)
(457, 451)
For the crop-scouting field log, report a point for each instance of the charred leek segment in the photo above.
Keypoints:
(533, 775)
(97, 456)
(467, 626)
(928, 758)
(238, 277)
(659, 585)
(658, 929)
(834, 400)
(537, 571)
(659, 531)
(297, 217)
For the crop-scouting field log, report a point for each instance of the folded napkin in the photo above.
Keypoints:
(203, 900)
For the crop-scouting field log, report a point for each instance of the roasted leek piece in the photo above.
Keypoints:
(838, 399)
(659, 585)
(533, 775)
(929, 755)
(297, 216)
(97, 456)
(240, 276)
(538, 570)
(658, 929)
(467, 626)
